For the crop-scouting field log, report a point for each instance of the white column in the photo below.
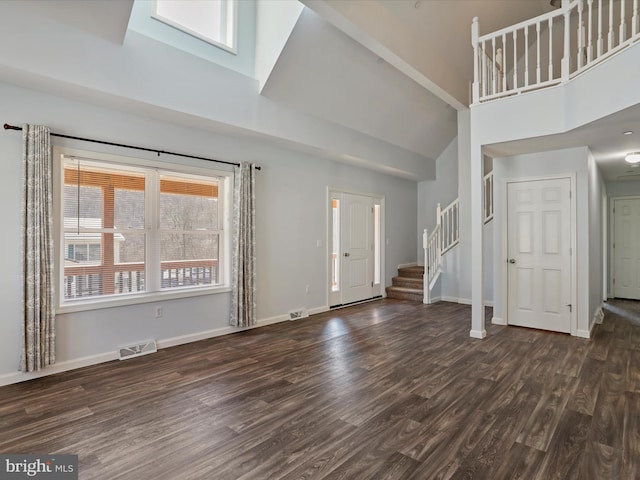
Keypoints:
(477, 232)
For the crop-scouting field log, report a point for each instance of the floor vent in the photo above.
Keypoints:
(138, 350)
(297, 314)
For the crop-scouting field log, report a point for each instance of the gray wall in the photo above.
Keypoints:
(292, 215)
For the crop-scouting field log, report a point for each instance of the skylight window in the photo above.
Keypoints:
(213, 21)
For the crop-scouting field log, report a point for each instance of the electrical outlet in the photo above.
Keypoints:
(158, 311)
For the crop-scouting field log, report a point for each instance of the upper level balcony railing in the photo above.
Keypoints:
(551, 49)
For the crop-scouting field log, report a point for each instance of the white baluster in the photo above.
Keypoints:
(493, 66)
(580, 34)
(567, 47)
(610, 46)
(600, 40)
(526, 56)
(634, 19)
(474, 43)
(590, 39)
(515, 59)
(623, 22)
(484, 69)
(538, 52)
(503, 61)
(550, 49)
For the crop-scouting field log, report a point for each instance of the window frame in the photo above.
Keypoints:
(152, 256)
(230, 16)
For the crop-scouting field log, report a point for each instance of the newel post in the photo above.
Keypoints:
(475, 37)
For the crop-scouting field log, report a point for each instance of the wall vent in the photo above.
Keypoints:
(137, 350)
(297, 314)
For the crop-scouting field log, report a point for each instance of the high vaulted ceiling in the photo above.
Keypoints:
(388, 74)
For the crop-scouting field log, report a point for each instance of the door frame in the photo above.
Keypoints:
(573, 209)
(379, 200)
(610, 253)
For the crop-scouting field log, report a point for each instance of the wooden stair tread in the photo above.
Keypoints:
(405, 289)
(411, 272)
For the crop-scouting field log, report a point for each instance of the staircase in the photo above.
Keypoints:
(413, 283)
(408, 284)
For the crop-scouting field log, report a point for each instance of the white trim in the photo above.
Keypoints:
(612, 238)
(143, 165)
(444, 298)
(572, 176)
(335, 298)
(17, 377)
(478, 334)
(229, 17)
(408, 265)
(498, 321)
(582, 334)
(467, 301)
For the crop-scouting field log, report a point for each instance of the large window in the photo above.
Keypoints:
(131, 230)
(213, 21)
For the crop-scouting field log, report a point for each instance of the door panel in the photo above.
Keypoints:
(357, 248)
(538, 249)
(626, 252)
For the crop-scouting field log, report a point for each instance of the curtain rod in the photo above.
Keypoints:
(13, 127)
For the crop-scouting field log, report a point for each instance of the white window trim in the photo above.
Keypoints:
(224, 271)
(231, 15)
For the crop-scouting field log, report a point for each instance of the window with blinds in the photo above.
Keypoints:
(130, 230)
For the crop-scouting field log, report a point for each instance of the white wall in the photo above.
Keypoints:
(292, 216)
(547, 164)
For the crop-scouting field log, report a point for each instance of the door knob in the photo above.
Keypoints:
(512, 260)
(347, 254)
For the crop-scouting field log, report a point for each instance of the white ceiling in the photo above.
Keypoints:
(446, 26)
(323, 72)
(332, 76)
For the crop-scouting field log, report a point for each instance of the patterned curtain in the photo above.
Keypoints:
(243, 273)
(38, 333)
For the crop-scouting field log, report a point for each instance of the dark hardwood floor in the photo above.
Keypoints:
(384, 390)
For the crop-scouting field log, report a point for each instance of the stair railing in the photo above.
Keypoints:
(552, 48)
(432, 259)
(449, 218)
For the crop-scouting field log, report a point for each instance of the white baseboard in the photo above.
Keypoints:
(478, 334)
(407, 265)
(444, 298)
(583, 333)
(464, 301)
(498, 321)
(17, 377)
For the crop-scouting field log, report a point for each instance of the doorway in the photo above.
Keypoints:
(355, 247)
(625, 246)
(539, 254)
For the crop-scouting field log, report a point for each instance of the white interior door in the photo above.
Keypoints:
(356, 232)
(539, 254)
(626, 248)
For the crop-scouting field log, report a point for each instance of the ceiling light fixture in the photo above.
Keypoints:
(628, 132)
(632, 157)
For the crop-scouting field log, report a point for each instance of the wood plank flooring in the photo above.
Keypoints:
(385, 390)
